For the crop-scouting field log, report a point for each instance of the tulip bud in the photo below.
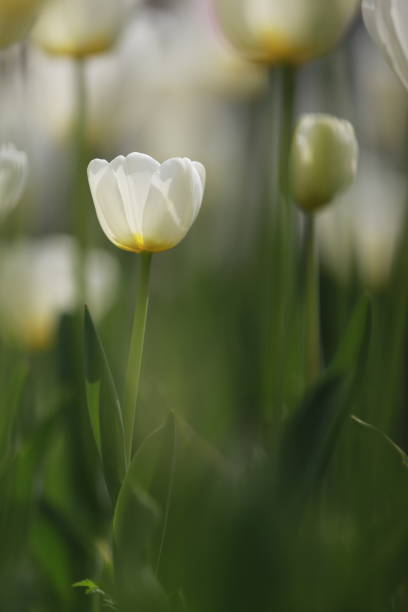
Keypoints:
(13, 177)
(79, 27)
(323, 160)
(143, 205)
(16, 19)
(284, 31)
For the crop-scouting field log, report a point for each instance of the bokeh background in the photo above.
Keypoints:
(307, 509)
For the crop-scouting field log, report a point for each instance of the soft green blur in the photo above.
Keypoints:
(250, 489)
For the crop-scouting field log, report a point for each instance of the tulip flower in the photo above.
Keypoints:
(38, 285)
(79, 27)
(360, 234)
(143, 205)
(323, 160)
(16, 19)
(13, 177)
(289, 31)
(386, 21)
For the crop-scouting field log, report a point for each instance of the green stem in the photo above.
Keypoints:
(288, 91)
(134, 365)
(80, 221)
(282, 257)
(313, 357)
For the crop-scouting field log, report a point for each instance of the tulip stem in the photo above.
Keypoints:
(79, 209)
(134, 365)
(313, 353)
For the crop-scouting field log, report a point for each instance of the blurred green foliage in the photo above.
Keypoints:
(248, 490)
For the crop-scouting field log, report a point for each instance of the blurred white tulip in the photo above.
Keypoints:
(13, 177)
(38, 284)
(375, 80)
(360, 233)
(387, 23)
(324, 159)
(290, 31)
(79, 27)
(16, 19)
(143, 205)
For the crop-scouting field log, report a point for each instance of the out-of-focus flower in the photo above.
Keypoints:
(143, 205)
(387, 23)
(375, 80)
(360, 233)
(323, 159)
(38, 284)
(290, 31)
(13, 177)
(16, 19)
(79, 27)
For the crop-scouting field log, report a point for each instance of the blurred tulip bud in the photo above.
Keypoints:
(16, 19)
(144, 206)
(284, 31)
(13, 177)
(79, 27)
(38, 285)
(323, 161)
(387, 23)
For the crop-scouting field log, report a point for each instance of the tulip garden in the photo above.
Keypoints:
(203, 305)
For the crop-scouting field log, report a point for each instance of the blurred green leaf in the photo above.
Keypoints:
(10, 405)
(91, 588)
(376, 431)
(104, 408)
(355, 341)
(312, 433)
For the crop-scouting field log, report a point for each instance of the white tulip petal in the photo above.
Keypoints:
(134, 174)
(398, 16)
(144, 206)
(370, 11)
(385, 21)
(177, 177)
(198, 186)
(109, 204)
(161, 229)
(13, 177)
(169, 212)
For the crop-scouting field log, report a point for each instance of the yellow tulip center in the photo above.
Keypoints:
(141, 244)
(276, 47)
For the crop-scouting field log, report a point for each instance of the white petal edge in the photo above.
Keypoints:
(108, 203)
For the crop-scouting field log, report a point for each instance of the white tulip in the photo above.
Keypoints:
(38, 285)
(324, 159)
(13, 177)
(387, 23)
(79, 27)
(361, 232)
(287, 31)
(16, 19)
(143, 205)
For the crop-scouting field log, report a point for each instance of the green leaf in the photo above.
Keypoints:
(146, 491)
(104, 408)
(140, 520)
(355, 341)
(91, 588)
(313, 431)
(10, 406)
(391, 444)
